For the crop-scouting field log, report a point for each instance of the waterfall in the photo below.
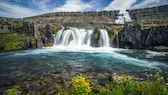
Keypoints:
(122, 17)
(79, 37)
(104, 38)
(58, 39)
(117, 40)
(73, 37)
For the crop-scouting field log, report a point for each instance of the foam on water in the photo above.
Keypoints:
(110, 52)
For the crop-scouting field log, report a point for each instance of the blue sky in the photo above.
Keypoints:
(25, 8)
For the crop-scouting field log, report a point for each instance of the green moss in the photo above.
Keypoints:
(95, 35)
(148, 26)
(13, 41)
(66, 27)
(13, 91)
(114, 31)
(56, 29)
(33, 41)
(48, 44)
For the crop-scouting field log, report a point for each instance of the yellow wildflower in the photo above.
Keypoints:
(81, 85)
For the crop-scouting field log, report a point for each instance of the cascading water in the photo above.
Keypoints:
(73, 37)
(104, 38)
(79, 37)
(122, 17)
(58, 38)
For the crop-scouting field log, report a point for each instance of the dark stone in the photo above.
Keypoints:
(49, 28)
(44, 39)
(102, 81)
(28, 43)
(157, 36)
(134, 37)
(95, 91)
(110, 78)
(27, 28)
(39, 43)
(94, 42)
(130, 36)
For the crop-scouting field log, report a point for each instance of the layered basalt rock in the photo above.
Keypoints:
(136, 37)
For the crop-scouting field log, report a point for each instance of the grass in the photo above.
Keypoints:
(13, 41)
(81, 85)
(125, 85)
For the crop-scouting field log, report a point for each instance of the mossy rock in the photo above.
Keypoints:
(95, 35)
(13, 41)
(56, 29)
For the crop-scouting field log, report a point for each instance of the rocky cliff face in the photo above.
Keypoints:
(150, 15)
(29, 34)
(136, 37)
(77, 17)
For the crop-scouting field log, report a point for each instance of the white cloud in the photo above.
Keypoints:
(74, 5)
(150, 3)
(96, 5)
(41, 5)
(120, 5)
(15, 11)
(36, 7)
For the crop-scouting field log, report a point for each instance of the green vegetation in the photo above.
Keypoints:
(113, 32)
(148, 26)
(56, 29)
(79, 25)
(13, 91)
(124, 85)
(48, 44)
(13, 41)
(95, 34)
(81, 85)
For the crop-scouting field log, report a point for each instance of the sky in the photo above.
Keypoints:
(26, 8)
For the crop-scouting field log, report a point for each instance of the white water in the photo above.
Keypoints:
(75, 37)
(79, 40)
(122, 17)
(104, 38)
(117, 40)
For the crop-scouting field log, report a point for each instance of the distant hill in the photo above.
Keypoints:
(146, 15)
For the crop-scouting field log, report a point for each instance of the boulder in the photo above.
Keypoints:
(44, 39)
(39, 43)
(28, 43)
